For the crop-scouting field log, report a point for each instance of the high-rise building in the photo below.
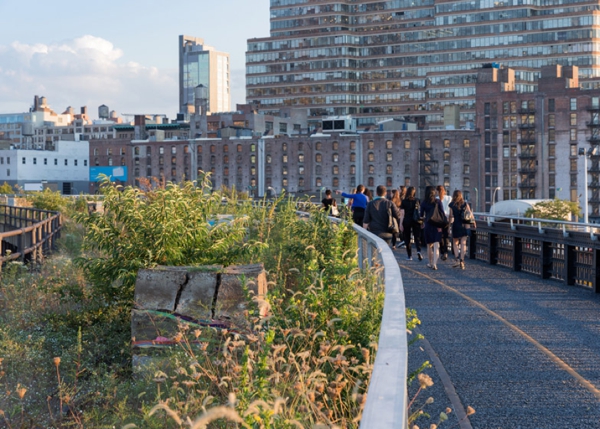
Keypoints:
(200, 64)
(397, 58)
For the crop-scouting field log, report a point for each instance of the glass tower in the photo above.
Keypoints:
(200, 64)
(410, 58)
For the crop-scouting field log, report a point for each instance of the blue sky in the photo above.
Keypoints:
(119, 53)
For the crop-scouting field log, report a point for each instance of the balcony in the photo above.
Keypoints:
(527, 140)
(593, 108)
(527, 170)
(593, 124)
(527, 126)
(594, 185)
(527, 185)
(594, 139)
(527, 155)
(527, 111)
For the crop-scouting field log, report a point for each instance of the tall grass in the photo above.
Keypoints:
(65, 345)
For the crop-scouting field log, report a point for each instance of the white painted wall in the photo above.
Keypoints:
(36, 170)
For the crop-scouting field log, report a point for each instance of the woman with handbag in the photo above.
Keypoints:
(411, 222)
(435, 220)
(461, 217)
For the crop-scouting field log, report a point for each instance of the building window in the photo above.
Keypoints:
(352, 157)
(388, 156)
(371, 145)
(466, 143)
(213, 148)
(388, 144)
(45, 161)
(225, 148)
(335, 146)
(67, 161)
(551, 135)
(371, 169)
(446, 156)
(110, 161)
(318, 182)
(371, 157)
(551, 105)
(446, 143)
(388, 169)
(34, 161)
(300, 146)
(75, 163)
(352, 145)
(319, 146)
(406, 144)
(285, 159)
(353, 169)
(109, 151)
(300, 158)
(253, 159)
(268, 159)
(466, 169)
(8, 171)
(573, 134)
(335, 157)
(318, 158)
(239, 148)
(23, 160)
(573, 119)
(336, 182)
(56, 161)
(335, 169)
(573, 104)
(427, 144)
(225, 159)
(161, 150)
(300, 170)
(573, 150)
(371, 182)
(407, 155)
(466, 182)
(85, 162)
(96, 151)
(252, 147)
(446, 169)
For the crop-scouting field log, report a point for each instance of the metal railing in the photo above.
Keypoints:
(387, 394)
(27, 234)
(552, 249)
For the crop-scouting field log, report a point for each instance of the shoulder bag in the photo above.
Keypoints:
(392, 222)
(416, 217)
(438, 217)
(334, 209)
(467, 214)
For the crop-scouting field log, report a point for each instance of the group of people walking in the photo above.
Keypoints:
(400, 218)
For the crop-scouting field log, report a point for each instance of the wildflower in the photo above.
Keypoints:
(448, 410)
(429, 401)
(366, 354)
(197, 333)
(425, 381)
(470, 411)
(56, 361)
(21, 393)
(433, 426)
(443, 417)
(336, 311)
(415, 427)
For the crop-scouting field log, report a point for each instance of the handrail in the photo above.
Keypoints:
(492, 217)
(387, 396)
(33, 233)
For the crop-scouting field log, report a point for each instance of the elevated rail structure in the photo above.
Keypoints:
(560, 250)
(27, 234)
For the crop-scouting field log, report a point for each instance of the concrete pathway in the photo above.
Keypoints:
(524, 352)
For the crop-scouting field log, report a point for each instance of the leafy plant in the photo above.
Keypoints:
(555, 209)
(6, 189)
(175, 225)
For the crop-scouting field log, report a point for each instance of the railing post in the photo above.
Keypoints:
(493, 247)
(546, 260)
(472, 243)
(596, 278)
(570, 270)
(517, 253)
(22, 245)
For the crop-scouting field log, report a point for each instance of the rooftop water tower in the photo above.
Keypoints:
(103, 112)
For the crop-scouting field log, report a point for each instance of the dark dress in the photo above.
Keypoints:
(327, 203)
(458, 227)
(432, 235)
(410, 226)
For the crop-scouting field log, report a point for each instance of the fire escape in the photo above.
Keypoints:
(528, 153)
(594, 166)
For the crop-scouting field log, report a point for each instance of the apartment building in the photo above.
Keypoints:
(411, 58)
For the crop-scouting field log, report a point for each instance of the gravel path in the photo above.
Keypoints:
(524, 352)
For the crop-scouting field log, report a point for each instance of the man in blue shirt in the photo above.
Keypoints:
(359, 203)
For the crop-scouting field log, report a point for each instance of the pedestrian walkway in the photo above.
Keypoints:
(523, 352)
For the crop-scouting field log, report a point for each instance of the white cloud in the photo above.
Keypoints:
(84, 71)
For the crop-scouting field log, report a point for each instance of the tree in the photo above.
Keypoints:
(6, 189)
(554, 209)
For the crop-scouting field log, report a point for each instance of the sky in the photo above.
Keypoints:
(121, 53)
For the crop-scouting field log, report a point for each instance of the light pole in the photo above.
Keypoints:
(494, 197)
(274, 192)
(476, 199)
(582, 152)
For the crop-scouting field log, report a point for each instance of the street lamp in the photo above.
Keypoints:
(274, 192)
(494, 197)
(592, 151)
(476, 199)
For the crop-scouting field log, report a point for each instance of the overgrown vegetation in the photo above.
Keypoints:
(65, 346)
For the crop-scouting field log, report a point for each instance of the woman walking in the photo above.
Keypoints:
(395, 198)
(407, 225)
(433, 231)
(458, 206)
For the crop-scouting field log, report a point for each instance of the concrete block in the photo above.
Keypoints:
(198, 294)
(157, 289)
(147, 326)
(231, 300)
